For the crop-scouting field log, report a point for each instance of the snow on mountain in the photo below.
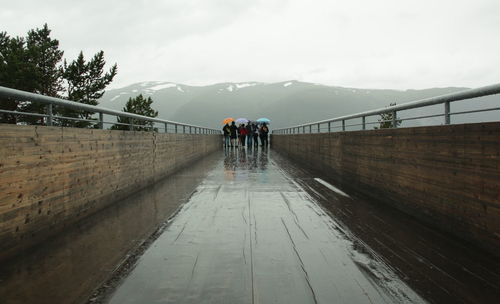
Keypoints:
(245, 85)
(162, 86)
(149, 83)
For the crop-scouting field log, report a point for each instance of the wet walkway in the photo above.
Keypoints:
(260, 230)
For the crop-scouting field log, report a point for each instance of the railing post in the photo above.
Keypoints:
(310, 129)
(101, 120)
(190, 130)
(329, 126)
(343, 125)
(394, 119)
(166, 127)
(447, 119)
(175, 128)
(49, 112)
(364, 122)
(131, 125)
(318, 128)
(184, 129)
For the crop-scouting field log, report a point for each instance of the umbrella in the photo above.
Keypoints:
(264, 120)
(241, 121)
(227, 120)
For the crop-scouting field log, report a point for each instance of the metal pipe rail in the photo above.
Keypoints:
(442, 99)
(51, 101)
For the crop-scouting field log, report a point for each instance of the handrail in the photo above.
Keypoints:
(446, 99)
(28, 96)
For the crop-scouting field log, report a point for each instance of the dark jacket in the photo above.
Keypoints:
(264, 130)
(227, 130)
(233, 130)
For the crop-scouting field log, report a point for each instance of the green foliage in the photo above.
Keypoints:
(141, 106)
(15, 72)
(45, 64)
(86, 82)
(385, 120)
(34, 64)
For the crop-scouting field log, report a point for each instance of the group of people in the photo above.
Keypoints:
(250, 134)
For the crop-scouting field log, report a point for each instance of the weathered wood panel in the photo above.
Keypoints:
(51, 177)
(448, 176)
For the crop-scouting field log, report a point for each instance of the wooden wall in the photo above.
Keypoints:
(447, 176)
(51, 177)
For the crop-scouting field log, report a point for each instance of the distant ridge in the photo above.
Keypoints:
(285, 103)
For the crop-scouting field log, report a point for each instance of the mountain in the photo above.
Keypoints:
(285, 103)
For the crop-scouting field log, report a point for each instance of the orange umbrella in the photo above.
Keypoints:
(227, 120)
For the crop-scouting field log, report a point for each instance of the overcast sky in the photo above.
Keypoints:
(356, 43)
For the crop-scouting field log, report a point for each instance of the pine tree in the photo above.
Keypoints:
(45, 60)
(33, 64)
(15, 72)
(141, 106)
(385, 120)
(86, 82)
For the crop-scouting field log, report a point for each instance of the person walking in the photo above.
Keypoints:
(243, 133)
(249, 135)
(227, 132)
(233, 133)
(264, 130)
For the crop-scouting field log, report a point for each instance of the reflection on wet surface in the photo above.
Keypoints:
(261, 230)
(68, 267)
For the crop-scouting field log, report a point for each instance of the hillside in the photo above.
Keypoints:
(285, 103)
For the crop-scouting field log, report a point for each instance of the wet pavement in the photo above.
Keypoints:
(254, 228)
(261, 230)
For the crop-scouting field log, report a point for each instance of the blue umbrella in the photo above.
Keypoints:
(264, 120)
(240, 121)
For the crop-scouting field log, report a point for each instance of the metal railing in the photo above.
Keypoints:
(446, 99)
(166, 125)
